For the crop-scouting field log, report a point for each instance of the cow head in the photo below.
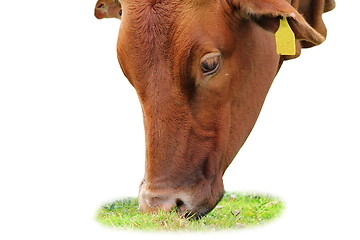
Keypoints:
(201, 69)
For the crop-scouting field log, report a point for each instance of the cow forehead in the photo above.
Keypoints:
(160, 29)
(152, 23)
(155, 33)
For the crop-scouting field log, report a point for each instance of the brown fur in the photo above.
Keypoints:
(196, 123)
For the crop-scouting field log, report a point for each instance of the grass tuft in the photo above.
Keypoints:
(234, 211)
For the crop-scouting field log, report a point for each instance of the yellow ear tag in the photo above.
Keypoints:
(285, 39)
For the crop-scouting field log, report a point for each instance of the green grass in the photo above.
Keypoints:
(234, 211)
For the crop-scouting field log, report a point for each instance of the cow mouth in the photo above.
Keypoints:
(194, 215)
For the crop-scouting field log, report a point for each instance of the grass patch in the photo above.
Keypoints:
(234, 211)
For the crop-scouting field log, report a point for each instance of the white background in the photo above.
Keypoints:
(71, 134)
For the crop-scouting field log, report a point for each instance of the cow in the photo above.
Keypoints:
(202, 70)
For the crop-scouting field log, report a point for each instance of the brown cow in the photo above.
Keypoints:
(202, 70)
(108, 9)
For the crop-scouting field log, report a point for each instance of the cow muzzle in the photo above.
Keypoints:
(187, 202)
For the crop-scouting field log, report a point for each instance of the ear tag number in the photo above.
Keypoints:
(285, 39)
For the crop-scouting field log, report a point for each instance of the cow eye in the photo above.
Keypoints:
(210, 63)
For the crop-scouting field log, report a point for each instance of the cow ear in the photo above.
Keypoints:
(267, 13)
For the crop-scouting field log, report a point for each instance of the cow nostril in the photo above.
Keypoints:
(179, 203)
(101, 5)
